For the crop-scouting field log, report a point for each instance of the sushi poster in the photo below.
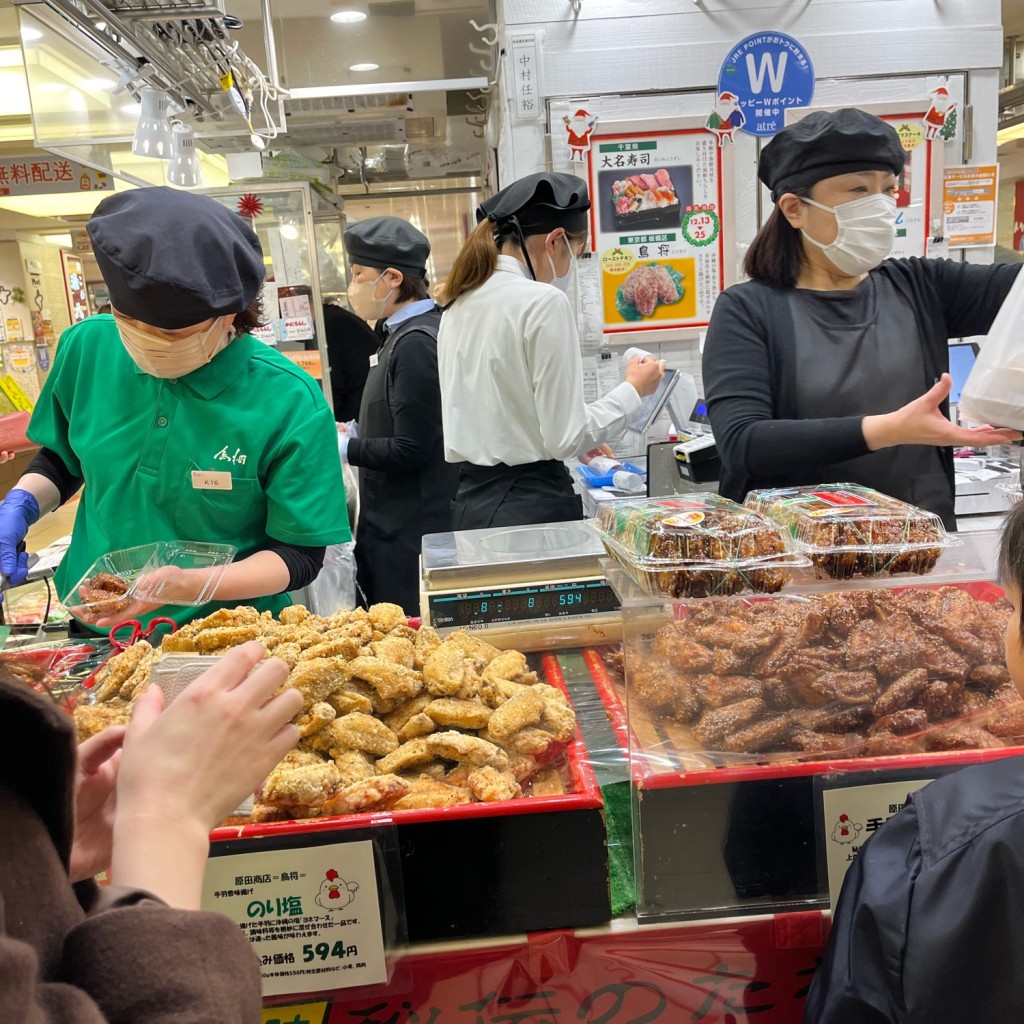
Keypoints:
(656, 227)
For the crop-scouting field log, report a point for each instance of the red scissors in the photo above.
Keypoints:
(124, 634)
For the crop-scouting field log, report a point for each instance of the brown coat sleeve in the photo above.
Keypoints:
(140, 963)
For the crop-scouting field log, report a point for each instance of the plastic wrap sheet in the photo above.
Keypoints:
(756, 970)
(54, 669)
(608, 758)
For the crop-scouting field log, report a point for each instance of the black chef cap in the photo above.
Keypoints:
(388, 242)
(173, 259)
(825, 144)
(540, 203)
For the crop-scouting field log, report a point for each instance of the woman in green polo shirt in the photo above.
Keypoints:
(181, 425)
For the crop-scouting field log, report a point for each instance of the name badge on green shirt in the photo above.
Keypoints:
(210, 481)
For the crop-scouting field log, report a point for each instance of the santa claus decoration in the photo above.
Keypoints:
(579, 128)
(939, 122)
(727, 118)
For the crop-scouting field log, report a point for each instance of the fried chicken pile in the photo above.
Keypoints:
(709, 545)
(859, 673)
(393, 718)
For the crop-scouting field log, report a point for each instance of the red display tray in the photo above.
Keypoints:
(647, 773)
(587, 796)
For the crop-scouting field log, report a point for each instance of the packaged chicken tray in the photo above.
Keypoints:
(849, 530)
(702, 545)
(861, 673)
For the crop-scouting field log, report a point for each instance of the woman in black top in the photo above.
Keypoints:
(830, 364)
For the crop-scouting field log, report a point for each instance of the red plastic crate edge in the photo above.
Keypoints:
(588, 797)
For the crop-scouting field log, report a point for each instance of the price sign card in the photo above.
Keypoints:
(312, 915)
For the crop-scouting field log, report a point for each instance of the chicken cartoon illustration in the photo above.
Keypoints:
(335, 893)
(846, 830)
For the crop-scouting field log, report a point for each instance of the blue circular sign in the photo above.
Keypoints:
(763, 76)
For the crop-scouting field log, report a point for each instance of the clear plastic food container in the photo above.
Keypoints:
(13, 432)
(849, 530)
(878, 670)
(700, 545)
(137, 580)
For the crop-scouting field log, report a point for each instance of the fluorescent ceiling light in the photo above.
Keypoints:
(98, 83)
(30, 34)
(348, 17)
(69, 204)
(1010, 132)
(363, 67)
(317, 92)
(63, 240)
(14, 99)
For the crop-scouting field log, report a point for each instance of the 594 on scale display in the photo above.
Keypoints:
(518, 603)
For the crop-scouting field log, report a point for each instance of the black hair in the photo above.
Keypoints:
(776, 255)
(249, 319)
(412, 289)
(1011, 556)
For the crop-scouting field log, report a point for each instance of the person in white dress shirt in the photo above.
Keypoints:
(509, 360)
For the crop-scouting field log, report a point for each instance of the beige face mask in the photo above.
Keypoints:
(166, 358)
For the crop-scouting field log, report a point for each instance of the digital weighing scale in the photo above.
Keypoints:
(528, 587)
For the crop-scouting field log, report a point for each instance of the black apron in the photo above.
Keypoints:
(859, 353)
(538, 492)
(396, 511)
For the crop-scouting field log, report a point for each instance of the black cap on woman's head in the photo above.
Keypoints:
(828, 143)
(540, 203)
(173, 259)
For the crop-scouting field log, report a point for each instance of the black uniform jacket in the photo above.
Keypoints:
(929, 927)
(750, 374)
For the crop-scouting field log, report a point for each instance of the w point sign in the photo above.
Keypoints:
(767, 72)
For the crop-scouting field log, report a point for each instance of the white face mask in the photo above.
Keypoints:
(167, 358)
(362, 297)
(867, 231)
(565, 282)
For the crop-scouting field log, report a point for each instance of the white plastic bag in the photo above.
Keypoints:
(334, 589)
(994, 392)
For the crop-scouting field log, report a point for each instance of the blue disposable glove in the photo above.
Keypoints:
(18, 511)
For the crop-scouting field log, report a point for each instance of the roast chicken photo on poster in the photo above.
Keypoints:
(656, 225)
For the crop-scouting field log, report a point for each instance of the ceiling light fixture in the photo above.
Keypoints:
(184, 169)
(315, 92)
(350, 14)
(98, 83)
(368, 66)
(153, 132)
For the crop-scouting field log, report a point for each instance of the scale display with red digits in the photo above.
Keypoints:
(528, 587)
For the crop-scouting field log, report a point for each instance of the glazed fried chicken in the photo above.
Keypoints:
(869, 671)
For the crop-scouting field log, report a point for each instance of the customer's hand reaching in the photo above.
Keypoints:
(95, 803)
(186, 767)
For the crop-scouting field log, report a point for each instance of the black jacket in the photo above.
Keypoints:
(750, 373)
(405, 484)
(350, 343)
(928, 928)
